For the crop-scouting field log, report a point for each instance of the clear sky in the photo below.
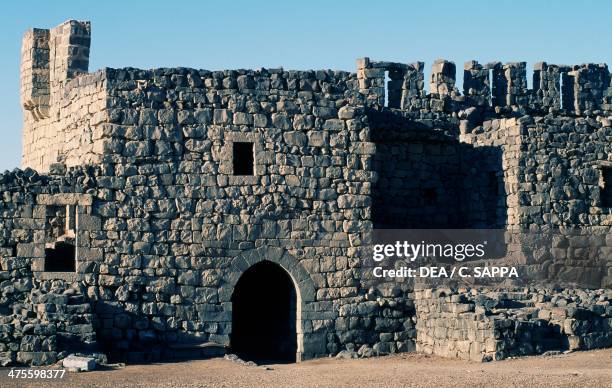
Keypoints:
(309, 34)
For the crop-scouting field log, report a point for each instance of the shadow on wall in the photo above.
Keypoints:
(428, 179)
(135, 338)
(261, 327)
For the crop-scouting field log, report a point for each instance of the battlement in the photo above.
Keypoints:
(576, 90)
(65, 108)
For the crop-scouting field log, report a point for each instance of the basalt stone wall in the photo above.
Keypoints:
(554, 170)
(71, 133)
(141, 294)
(171, 225)
(43, 316)
(419, 175)
(185, 216)
(561, 171)
(500, 141)
(489, 325)
(562, 185)
(194, 176)
(426, 178)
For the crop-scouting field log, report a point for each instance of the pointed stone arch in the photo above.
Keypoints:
(303, 283)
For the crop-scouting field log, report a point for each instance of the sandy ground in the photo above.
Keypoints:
(580, 369)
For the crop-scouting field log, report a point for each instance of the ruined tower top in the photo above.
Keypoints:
(48, 59)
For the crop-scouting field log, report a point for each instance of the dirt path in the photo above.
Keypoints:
(580, 369)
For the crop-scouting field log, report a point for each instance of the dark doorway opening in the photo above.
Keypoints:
(264, 315)
(61, 258)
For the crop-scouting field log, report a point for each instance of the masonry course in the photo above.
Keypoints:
(143, 160)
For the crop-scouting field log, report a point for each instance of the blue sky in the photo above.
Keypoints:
(309, 34)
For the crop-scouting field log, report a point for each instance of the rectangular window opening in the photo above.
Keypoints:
(243, 154)
(60, 257)
(606, 187)
(60, 239)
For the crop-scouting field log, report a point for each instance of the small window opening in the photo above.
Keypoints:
(606, 190)
(430, 195)
(60, 258)
(243, 158)
(60, 237)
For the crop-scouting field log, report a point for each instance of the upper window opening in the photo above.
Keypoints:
(60, 252)
(243, 158)
(60, 258)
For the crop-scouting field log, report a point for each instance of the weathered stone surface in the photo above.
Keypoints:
(139, 170)
(498, 332)
(81, 364)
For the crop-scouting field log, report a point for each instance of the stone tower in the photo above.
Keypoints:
(49, 60)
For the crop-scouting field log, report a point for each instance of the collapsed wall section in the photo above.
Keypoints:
(484, 325)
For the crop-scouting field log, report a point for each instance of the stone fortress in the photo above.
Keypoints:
(175, 212)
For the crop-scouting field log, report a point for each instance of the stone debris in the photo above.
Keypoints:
(79, 364)
(365, 352)
(347, 354)
(238, 360)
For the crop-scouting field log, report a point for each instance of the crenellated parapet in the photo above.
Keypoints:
(576, 90)
(476, 84)
(65, 108)
(587, 86)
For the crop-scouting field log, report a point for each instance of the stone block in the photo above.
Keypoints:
(80, 364)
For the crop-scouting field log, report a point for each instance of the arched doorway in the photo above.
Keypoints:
(264, 315)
